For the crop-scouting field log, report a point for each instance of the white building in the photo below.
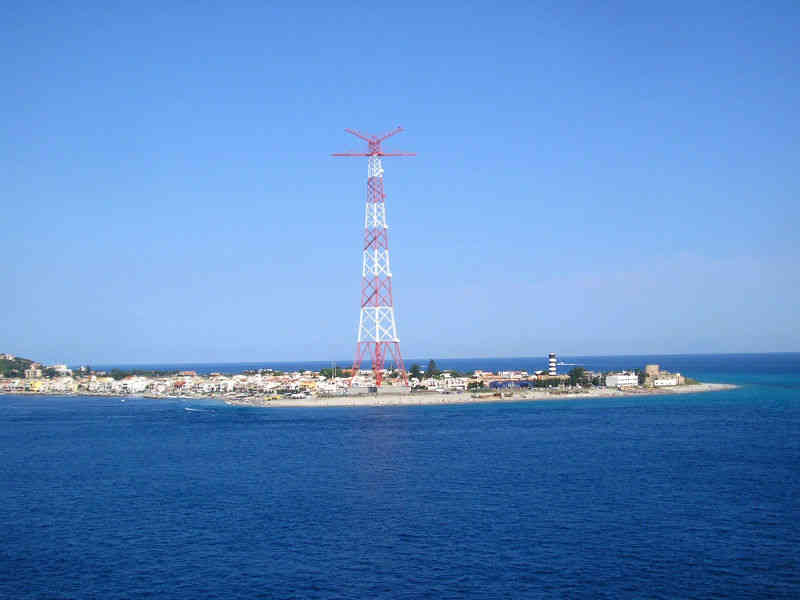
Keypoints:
(455, 384)
(63, 384)
(621, 379)
(333, 387)
(34, 371)
(666, 380)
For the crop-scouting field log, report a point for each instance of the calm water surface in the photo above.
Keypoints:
(659, 497)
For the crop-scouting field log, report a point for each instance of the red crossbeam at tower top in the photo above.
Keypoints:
(377, 330)
(374, 145)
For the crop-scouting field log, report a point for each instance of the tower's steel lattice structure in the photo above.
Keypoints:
(377, 329)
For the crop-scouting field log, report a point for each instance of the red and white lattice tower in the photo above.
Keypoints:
(377, 330)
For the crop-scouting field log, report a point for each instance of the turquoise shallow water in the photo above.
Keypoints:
(663, 497)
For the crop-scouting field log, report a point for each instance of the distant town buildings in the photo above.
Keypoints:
(624, 379)
(266, 384)
(33, 371)
(655, 377)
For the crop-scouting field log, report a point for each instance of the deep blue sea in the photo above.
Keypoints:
(687, 496)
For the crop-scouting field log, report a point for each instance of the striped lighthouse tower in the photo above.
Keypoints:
(551, 359)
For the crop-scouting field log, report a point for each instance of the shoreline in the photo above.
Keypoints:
(438, 398)
(415, 399)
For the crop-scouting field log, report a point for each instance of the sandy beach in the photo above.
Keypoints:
(425, 398)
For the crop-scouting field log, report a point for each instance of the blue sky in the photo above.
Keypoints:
(591, 178)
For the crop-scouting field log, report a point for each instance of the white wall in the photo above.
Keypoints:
(622, 379)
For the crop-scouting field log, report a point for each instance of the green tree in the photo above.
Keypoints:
(328, 372)
(432, 370)
(416, 371)
(577, 375)
(14, 368)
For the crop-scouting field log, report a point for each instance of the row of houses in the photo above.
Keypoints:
(652, 376)
(56, 385)
(182, 384)
(304, 383)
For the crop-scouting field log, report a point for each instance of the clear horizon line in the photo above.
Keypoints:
(437, 358)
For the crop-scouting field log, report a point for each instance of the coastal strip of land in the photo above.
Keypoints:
(436, 398)
(344, 387)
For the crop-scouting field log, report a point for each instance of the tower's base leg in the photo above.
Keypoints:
(377, 352)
